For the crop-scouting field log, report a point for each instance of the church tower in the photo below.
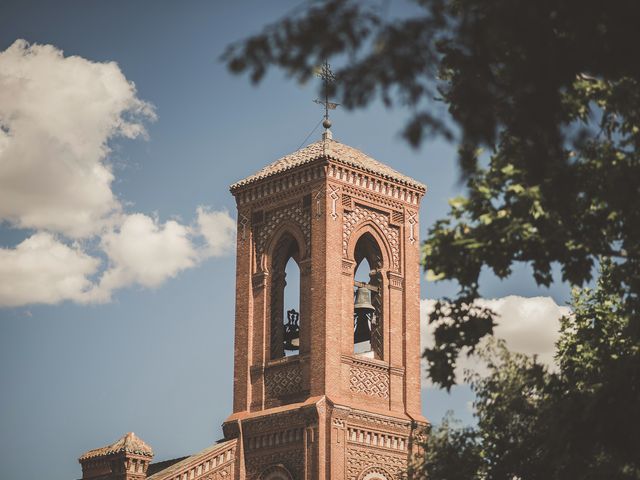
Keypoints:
(328, 388)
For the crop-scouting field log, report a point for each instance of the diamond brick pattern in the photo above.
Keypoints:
(369, 381)
(283, 380)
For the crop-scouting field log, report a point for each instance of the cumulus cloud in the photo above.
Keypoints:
(142, 251)
(41, 269)
(57, 117)
(528, 325)
(145, 252)
(218, 230)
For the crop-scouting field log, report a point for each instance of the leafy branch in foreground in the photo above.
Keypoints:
(579, 421)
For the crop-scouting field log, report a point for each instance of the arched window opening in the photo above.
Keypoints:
(285, 298)
(363, 310)
(367, 312)
(291, 318)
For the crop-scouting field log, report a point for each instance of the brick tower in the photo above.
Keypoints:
(331, 389)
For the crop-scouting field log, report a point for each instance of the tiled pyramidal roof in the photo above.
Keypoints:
(129, 443)
(331, 149)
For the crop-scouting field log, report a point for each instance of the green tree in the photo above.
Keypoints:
(579, 422)
(596, 395)
(510, 436)
(451, 452)
(549, 89)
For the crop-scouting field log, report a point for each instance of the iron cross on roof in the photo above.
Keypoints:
(327, 78)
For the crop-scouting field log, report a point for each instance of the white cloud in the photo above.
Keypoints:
(57, 117)
(140, 251)
(528, 325)
(57, 114)
(218, 230)
(41, 269)
(144, 252)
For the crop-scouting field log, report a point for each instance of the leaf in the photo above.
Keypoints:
(431, 276)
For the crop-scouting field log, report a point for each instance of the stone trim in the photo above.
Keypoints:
(396, 281)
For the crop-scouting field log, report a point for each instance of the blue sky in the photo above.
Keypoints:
(154, 355)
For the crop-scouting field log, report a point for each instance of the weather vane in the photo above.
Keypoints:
(327, 78)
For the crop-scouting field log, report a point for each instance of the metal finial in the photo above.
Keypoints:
(327, 78)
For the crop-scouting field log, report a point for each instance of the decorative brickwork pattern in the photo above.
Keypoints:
(243, 221)
(369, 380)
(413, 220)
(334, 196)
(293, 212)
(291, 458)
(279, 422)
(358, 216)
(377, 422)
(378, 199)
(383, 440)
(362, 461)
(283, 380)
(275, 439)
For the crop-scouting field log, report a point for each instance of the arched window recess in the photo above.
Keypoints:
(367, 311)
(285, 298)
(291, 321)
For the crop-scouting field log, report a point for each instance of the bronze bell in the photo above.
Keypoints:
(363, 300)
(364, 311)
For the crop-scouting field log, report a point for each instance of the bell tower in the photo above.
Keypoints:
(330, 389)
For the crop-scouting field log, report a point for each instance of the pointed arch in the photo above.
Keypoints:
(368, 296)
(284, 325)
(293, 230)
(375, 235)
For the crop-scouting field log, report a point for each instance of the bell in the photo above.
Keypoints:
(292, 331)
(363, 300)
(363, 310)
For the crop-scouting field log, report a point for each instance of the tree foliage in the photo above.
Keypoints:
(549, 89)
(451, 452)
(580, 421)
